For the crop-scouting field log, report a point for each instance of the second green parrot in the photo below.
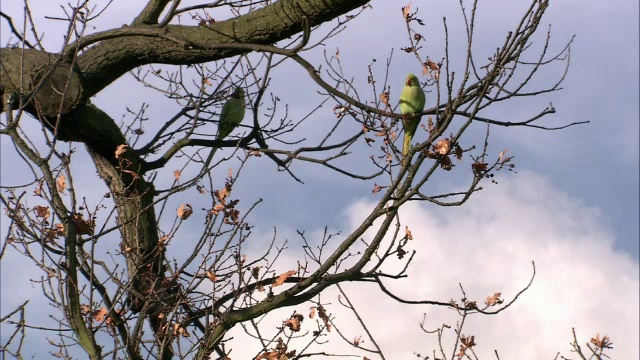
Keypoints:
(230, 117)
(412, 101)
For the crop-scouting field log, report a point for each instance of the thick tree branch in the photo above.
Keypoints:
(110, 59)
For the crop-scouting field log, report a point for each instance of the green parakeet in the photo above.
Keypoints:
(230, 117)
(412, 101)
(232, 113)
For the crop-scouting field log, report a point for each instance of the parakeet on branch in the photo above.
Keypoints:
(412, 102)
(232, 113)
(230, 117)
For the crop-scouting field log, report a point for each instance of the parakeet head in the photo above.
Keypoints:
(238, 93)
(412, 80)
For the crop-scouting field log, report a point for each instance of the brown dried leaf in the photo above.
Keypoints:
(184, 211)
(384, 98)
(462, 352)
(400, 252)
(176, 174)
(269, 355)
(179, 330)
(211, 276)
(494, 300)
(217, 208)
(604, 343)
(479, 168)
(443, 147)
(458, 152)
(432, 66)
(358, 340)
(408, 233)
(294, 322)
(433, 69)
(38, 190)
(376, 188)
(283, 277)
(501, 155)
(406, 11)
(445, 163)
(121, 149)
(42, 211)
(61, 183)
(55, 232)
(100, 314)
(83, 227)
(221, 195)
(468, 341)
(325, 318)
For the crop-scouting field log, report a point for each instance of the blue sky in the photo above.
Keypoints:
(572, 207)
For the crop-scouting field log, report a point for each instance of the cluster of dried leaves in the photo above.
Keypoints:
(431, 68)
(481, 168)
(601, 344)
(440, 151)
(279, 353)
(294, 322)
(82, 226)
(410, 16)
(467, 304)
(466, 343)
(227, 207)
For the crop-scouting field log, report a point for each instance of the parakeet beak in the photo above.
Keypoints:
(407, 82)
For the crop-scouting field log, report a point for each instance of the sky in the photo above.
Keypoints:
(572, 207)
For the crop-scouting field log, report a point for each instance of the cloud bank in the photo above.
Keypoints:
(487, 246)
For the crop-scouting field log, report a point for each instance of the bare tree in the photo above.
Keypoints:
(138, 299)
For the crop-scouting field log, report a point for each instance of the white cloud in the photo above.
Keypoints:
(487, 245)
